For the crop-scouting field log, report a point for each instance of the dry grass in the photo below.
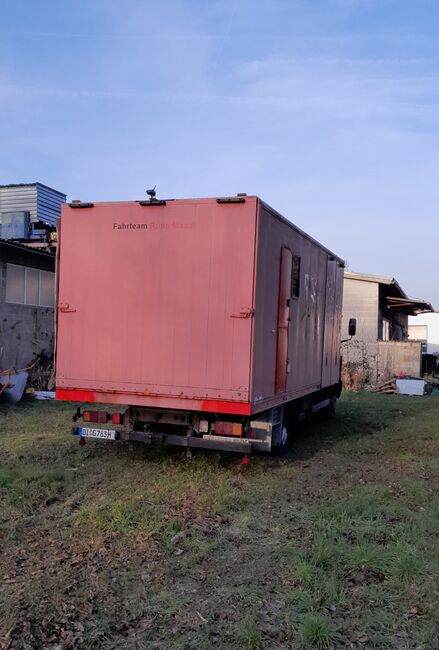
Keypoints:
(334, 546)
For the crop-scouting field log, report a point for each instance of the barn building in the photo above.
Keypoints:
(381, 347)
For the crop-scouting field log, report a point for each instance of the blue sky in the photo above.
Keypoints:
(327, 109)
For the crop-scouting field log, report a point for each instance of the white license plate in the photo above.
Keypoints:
(106, 434)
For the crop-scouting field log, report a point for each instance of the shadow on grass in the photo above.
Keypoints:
(360, 422)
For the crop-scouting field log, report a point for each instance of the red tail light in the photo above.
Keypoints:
(95, 416)
(116, 418)
(227, 428)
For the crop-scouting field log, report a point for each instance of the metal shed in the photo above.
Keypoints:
(43, 203)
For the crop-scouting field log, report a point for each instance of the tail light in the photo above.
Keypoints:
(227, 428)
(96, 416)
(101, 417)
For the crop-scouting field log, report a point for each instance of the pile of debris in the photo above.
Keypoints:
(12, 384)
(402, 386)
(39, 376)
(387, 388)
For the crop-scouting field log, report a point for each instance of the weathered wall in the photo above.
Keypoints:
(398, 357)
(314, 326)
(360, 301)
(25, 330)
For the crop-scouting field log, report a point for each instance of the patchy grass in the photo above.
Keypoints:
(316, 631)
(250, 636)
(334, 546)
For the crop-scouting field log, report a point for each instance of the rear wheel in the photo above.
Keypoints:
(329, 410)
(280, 441)
(281, 433)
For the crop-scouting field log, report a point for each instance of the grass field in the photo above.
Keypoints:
(335, 546)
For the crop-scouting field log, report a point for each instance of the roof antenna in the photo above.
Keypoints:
(152, 194)
(152, 198)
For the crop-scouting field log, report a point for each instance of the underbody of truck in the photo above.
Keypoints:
(267, 431)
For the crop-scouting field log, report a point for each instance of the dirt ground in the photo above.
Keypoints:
(334, 546)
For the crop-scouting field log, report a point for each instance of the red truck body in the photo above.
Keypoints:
(203, 305)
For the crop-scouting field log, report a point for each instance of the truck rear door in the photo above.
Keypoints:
(157, 300)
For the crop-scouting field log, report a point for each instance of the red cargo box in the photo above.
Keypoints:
(203, 305)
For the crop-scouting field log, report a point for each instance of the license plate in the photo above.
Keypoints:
(105, 434)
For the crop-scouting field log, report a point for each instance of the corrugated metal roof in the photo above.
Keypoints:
(379, 279)
(411, 306)
(33, 185)
(367, 277)
(403, 302)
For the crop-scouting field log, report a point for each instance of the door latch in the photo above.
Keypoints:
(65, 308)
(245, 313)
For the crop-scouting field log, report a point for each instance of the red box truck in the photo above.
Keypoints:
(215, 322)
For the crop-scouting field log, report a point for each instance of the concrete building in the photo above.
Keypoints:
(28, 215)
(27, 292)
(381, 348)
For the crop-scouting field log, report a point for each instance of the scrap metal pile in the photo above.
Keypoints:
(407, 386)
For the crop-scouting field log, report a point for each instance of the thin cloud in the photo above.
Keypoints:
(219, 35)
(329, 110)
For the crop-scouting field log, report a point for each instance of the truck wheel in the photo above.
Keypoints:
(284, 437)
(329, 411)
(280, 443)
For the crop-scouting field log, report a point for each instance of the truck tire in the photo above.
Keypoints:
(281, 440)
(329, 411)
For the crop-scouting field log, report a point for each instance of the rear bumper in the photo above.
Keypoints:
(153, 401)
(240, 446)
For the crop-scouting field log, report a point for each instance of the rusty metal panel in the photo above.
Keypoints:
(329, 323)
(337, 319)
(333, 307)
(306, 312)
(283, 319)
(157, 302)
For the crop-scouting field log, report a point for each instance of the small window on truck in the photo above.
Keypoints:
(295, 277)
